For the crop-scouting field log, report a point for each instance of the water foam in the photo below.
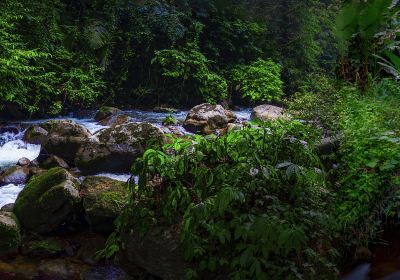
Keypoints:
(9, 193)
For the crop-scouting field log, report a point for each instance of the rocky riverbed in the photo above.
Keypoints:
(63, 182)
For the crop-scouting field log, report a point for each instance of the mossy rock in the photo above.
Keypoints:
(103, 201)
(46, 248)
(47, 201)
(10, 236)
(116, 148)
(105, 112)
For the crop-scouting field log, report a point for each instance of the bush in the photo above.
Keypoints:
(187, 70)
(252, 204)
(259, 81)
(370, 160)
(317, 102)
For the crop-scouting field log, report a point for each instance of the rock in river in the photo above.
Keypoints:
(14, 175)
(266, 113)
(47, 201)
(206, 118)
(115, 149)
(103, 201)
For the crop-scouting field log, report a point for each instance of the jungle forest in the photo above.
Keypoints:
(199, 139)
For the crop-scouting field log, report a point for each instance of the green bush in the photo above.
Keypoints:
(259, 81)
(252, 204)
(188, 70)
(370, 160)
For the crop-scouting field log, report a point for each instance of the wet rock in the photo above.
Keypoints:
(159, 253)
(10, 236)
(59, 269)
(24, 162)
(362, 254)
(106, 112)
(48, 201)
(115, 149)
(267, 113)
(14, 175)
(36, 135)
(87, 252)
(206, 118)
(8, 207)
(47, 248)
(54, 161)
(115, 120)
(64, 139)
(103, 201)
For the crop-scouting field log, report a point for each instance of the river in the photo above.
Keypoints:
(12, 147)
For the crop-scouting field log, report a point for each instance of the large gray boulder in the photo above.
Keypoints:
(103, 201)
(267, 113)
(115, 149)
(62, 138)
(48, 201)
(206, 118)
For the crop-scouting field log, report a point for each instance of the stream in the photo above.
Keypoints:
(12, 147)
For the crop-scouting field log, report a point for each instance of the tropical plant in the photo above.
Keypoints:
(259, 81)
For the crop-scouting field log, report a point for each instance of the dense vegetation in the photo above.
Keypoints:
(58, 55)
(262, 202)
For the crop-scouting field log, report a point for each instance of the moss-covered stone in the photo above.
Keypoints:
(46, 248)
(47, 201)
(105, 112)
(116, 148)
(10, 236)
(103, 200)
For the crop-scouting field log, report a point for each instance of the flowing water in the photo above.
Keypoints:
(12, 147)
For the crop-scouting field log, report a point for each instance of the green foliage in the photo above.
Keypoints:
(370, 160)
(317, 102)
(189, 70)
(252, 204)
(260, 81)
(170, 120)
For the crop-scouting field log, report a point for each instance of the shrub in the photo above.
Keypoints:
(370, 160)
(259, 81)
(252, 204)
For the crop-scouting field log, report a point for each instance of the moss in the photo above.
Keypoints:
(10, 236)
(117, 198)
(45, 248)
(46, 200)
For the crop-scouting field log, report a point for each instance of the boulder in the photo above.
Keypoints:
(159, 252)
(24, 162)
(206, 118)
(115, 120)
(36, 135)
(14, 175)
(59, 269)
(8, 207)
(10, 236)
(48, 201)
(115, 149)
(103, 201)
(64, 139)
(106, 112)
(53, 161)
(267, 113)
